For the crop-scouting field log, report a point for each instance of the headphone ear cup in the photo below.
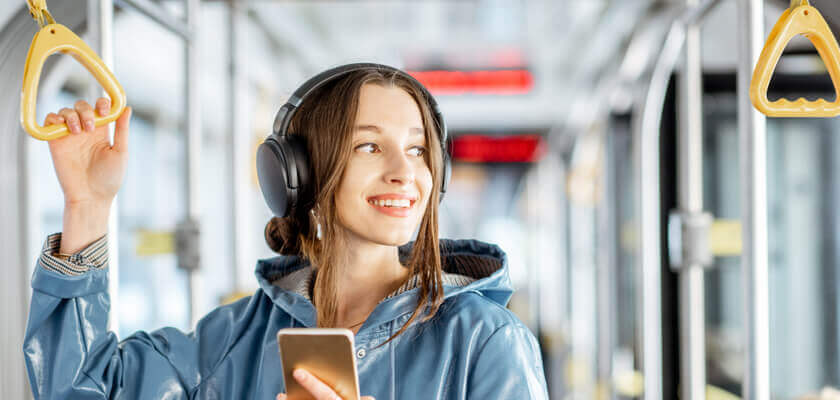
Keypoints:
(273, 176)
(447, 174)
(297, 155)
(446, 144)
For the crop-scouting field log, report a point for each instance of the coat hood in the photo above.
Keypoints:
(468, 265)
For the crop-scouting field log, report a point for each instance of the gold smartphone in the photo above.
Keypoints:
(325, 353)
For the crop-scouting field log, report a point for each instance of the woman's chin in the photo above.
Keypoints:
(390, 238)
(385, 233)
(395, 240)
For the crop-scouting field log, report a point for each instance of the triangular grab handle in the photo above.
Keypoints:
(55, 38)
(798, 20)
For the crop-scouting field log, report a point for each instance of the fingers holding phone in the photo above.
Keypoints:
(318, 363)
(318, 389)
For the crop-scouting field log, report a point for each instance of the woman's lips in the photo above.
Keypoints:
(393, 204)
(393, 211)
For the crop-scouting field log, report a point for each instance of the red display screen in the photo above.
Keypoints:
(496, 82)
(482, 148)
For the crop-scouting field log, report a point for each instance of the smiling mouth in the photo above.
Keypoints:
(393, 203)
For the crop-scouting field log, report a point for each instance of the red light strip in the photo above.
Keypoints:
(480, 148)
(503, 82)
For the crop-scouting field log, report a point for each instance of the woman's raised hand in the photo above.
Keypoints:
(89, 169)
(316, 388)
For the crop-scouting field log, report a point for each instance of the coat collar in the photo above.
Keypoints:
(469, 266)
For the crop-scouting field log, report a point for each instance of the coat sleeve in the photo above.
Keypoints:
(70, 354)
(508, 366)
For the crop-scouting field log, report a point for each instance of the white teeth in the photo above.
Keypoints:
(400, 203)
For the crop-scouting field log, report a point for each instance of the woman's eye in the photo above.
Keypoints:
(367, 147)
(417, 151)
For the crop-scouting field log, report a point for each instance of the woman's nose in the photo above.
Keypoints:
(399, 170)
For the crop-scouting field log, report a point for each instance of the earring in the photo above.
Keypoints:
(318, 225)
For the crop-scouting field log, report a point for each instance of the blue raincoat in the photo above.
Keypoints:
(474, 348)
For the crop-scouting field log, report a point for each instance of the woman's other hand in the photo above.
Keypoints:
(318, 389)
(89, 169)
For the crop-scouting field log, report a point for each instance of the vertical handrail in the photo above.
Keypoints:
(647, 178)
(234, 124)
(100, 16)
(647, 120)
(194, 143)
(690, 202)
(557, 385)
(752, 132)
(607, 264)
(239, 145)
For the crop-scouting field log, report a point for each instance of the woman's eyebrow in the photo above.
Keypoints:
(372, 128)
(377, 129)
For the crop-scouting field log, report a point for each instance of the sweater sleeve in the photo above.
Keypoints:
(70, 354)
(508, 366)
(94, 256)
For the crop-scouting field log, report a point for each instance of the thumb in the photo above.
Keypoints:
(121, 131)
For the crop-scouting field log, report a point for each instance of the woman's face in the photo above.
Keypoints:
(386, 185)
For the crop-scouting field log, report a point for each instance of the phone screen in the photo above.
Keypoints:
(325, 353)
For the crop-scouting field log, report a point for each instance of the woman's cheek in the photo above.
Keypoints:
(426, 186)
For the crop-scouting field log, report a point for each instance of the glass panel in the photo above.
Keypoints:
(802, 185)
(149, 60)
(803, 262)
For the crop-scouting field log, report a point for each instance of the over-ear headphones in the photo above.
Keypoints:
(283, 165)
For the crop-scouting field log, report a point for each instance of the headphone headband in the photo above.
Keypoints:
(287, 111)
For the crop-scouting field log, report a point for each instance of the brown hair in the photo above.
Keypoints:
(326, 120)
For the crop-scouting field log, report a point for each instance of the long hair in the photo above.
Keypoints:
(326, 120)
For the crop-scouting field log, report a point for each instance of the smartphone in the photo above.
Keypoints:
(326, 353)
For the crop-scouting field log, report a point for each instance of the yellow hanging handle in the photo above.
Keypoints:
(54, 38)
(800, 18)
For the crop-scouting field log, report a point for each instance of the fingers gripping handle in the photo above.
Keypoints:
(49, 40)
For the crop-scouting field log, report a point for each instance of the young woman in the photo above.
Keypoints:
(429, 316)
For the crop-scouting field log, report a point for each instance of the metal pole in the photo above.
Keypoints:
(194, 144)
(753, 147)
(649, 260)
(690, 199)
(100, 28)
(238, 139)
(562, 355)
(607, 265)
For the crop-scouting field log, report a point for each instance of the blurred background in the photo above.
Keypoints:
(545, 102)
